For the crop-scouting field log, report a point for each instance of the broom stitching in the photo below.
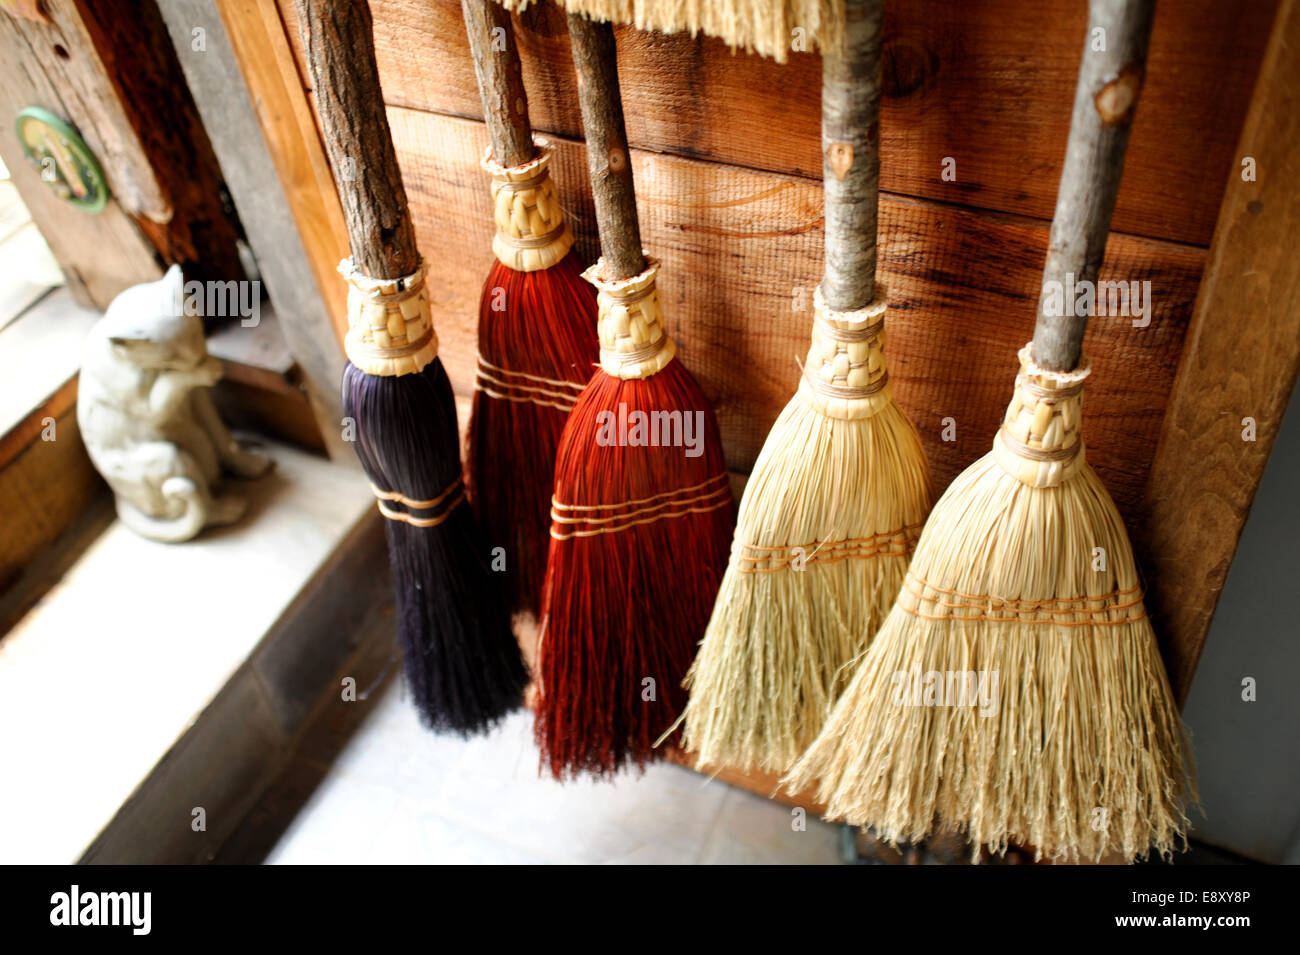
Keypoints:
(645, 520)
(421, 521)
(641, 500)
(1039, 454)
(560, 519)
(831, 390)
(992, 604)
(957, 593)
(1025, 621)
(577, 386)
(846, 540)
(484, 377)
(399, 498)
(533, 241)
(525, 399)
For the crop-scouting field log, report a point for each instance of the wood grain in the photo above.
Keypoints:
(988, 84)
(258, 37)
(1240, 361)
(99, 254)
(741, 254)
(292, 277)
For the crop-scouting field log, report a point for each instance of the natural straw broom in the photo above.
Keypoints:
(769, 27)
(841, 488)
(1024, 575)
(537, 322)
(462, 663)
(643, 509)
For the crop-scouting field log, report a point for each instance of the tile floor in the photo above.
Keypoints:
(398, 794)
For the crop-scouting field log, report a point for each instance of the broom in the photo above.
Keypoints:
(1024, 575)
(838, 494)
(461, 660)
(642, 510)
(769, 27)
(537, 322)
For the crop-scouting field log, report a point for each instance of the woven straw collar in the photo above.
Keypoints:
(633, 343)
(531, 232)
(390, 327)
(1040, 442)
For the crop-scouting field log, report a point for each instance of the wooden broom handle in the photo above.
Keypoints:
(337, 35)
(500, 81)
(1110, 81)
(608, 160)
(851, 83)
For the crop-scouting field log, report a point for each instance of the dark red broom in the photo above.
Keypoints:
(462, 663)
(537, 322)
(642, 513)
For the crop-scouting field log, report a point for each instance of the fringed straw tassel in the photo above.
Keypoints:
(640, 523)
(537, 349)
(768, 27)
(826, 529)
(1015, 693)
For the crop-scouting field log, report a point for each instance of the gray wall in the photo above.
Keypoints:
(1248, 754)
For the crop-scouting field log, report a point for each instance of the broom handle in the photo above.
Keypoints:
(607, 153)
(341, 54)
(500, 81)
(1110, 81)
(851, 85)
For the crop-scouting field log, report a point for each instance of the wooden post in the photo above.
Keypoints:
(275, 231)
(500, 81)
(1239, 360)
(1110, 80)
(851, 157)
(608, 158)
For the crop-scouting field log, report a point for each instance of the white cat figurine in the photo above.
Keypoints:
(147, 417)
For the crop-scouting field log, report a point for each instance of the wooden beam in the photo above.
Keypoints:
(266, 206)
(987, 84)
(257, 37)
(1239, 362)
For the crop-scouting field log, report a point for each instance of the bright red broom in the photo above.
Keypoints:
(537, 322)
(642, 514)
(462, 663)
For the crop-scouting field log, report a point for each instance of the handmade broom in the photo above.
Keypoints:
(769, 27)
(643, 508)
(537, 322)
(841, 488)
(462, 663)
(1024, 575)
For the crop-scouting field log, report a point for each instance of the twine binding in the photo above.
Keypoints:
(531, 232)
(633, 342)
(409, 510)
(844, 375)
(520, 387)
(590, 520)
(1040, 442)
(390, 326)
(757, 559)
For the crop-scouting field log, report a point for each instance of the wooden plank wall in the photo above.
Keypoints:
(726, 157)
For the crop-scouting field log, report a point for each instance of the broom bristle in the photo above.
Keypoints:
(827, 525)
(462, 663)
(826, 529)
(625, 606)
(766, 27)
(1077, 749)
(537, 349)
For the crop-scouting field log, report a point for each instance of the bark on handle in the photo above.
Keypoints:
(500, 81)
(851, 83)
(608, 160)
(337, 35)
(1110, 80)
